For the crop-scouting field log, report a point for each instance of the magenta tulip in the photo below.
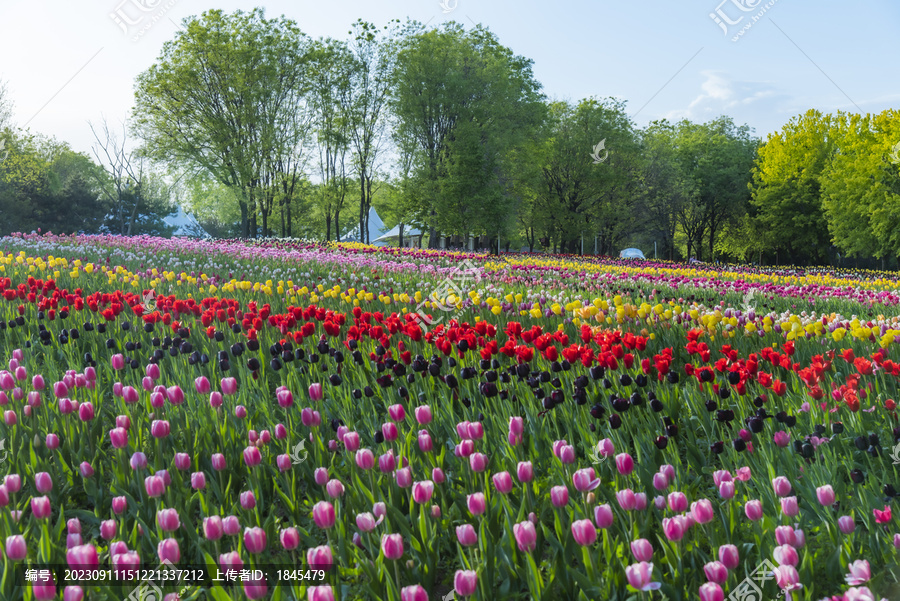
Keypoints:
(323, 514)
(466, 535)
(526, 536)
(255, 539)
(465, 582)
(392, 546)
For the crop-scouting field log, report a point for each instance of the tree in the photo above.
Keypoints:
(581, 191)
(219, 94)
(786, 188)
(371, 80)
(461, 100)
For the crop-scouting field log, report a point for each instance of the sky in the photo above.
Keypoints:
(68, 64)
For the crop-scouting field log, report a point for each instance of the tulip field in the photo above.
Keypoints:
(292, 420)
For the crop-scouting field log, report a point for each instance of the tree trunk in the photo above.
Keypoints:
(401, 235)
(328, 227)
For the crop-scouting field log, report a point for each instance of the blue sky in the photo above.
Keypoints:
(67, 63)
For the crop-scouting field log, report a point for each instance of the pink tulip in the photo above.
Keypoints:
(366, 522)
(117, 361)
(351, 441)
(502, 482)
(154, 486)
(423, 415)
(626, 499)
(640, 501)
(85, 469)
(720, 476)
(726, 490)
(334, 488)
(787, 577)
(476, 430)
(201, 385)
(476, 503)
(678, 502)
(425, 442)
(668, 471)
(138, 461)
(660, 482)
(585, 480)
(786, 555)
(743, 474)
(108, 529)
(753, 510)
(52, 441)
(702, 511)
(624, 463)
(240, 412)
(603, 516)
(119, 504)
(168, 550)
(559, 496)
(606, 448)
(396, 412)
(43, 482)
(711, 591)
(437, 475)
(44, 588)
(526, 536)
(413, 593)
(213, 528)
(525, 471)
(255, 540)
(859, 572)
(253, 589)
(387, 463)
(130, 395)
(584, 532)
(168, 520)
(478, 462)
(789, 506)
(422, 491)
(365, 459)
(252, 456)
(392, 546)
(159, 428)
(403, 476)
(466, 535)
(231, 561)
(825, 494)
(16, 548)
(228, 386)
(175, 395)
(782, 486)
(716, 571)
(846, 524)
(182, 461)
(86, 412)
(73, 540)
(785, 535)
(247, 499)
(12, 482)
(659, 502)
(465, 582)
(673, 528)
(319, 558)
(215, 399)
(728, 555)
(782, 438)
(315, 391)
(218, 462)
(323, 514)
(40, 507)
(567, 454)
(640, 576)
(642, 549)
(320, 593)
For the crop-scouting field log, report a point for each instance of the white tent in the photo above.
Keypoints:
(394, 235)
(376, 227)
(185, 225)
